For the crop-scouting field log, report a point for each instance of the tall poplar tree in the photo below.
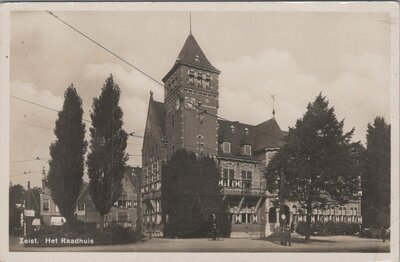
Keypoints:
(66, 165)
(107, 158)
(376, 179)
(318, 164)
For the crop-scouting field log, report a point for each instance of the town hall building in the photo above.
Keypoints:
(187, 119)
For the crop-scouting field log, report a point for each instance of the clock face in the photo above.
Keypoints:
(177, 104)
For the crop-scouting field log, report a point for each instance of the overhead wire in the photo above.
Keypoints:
(134, 67)
(196, 106)
(26, 173)
(29, 160)
(173, 91)
(137, 69)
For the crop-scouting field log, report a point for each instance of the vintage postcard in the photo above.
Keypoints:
(218, 131)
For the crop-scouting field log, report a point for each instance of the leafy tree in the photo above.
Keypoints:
(318, 163)
(16, 194)
(66, 165)
(16, 200)
(376, 179)
(107, 158)
(191, 195)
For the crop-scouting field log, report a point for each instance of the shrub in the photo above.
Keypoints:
(320, 229)
(114, 234)
(373, 233)
(329, 228)
(301, 228)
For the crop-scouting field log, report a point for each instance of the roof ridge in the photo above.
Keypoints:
(271, 119)
(241, 123)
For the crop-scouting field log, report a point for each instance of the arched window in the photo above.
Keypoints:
(272, 215)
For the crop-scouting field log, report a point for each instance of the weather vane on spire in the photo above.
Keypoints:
(273, 105)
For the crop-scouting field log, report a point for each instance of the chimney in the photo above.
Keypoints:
(29, 185)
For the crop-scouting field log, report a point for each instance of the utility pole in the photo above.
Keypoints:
(139, 205)
(283, 217)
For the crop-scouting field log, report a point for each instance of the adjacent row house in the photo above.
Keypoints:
(123, 212)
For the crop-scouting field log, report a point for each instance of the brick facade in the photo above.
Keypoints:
(187, 119)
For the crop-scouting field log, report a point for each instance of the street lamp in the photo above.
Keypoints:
(281, 188)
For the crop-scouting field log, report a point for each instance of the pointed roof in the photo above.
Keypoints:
(159, 107)
(265, 135)
(192, 55)
(269, 135)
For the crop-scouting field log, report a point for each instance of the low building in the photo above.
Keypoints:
(124, 211)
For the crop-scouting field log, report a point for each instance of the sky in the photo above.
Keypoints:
(292, 55)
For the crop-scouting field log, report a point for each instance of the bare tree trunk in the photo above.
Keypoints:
(101, 223)
(308, 220)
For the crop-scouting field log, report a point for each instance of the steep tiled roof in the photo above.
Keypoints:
(192, 55)
(159, 108)
(265, 135)
(269, 135)
(235, 133)
(84, 188)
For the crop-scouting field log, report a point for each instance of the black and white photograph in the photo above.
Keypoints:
(236, 129)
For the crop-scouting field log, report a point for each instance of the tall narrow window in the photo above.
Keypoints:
(247, 150)
(226, 147)
(228, 177)
(46, 205)
(81, 208)
(246, 178)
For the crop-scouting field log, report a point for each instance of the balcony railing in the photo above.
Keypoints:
(232, 191)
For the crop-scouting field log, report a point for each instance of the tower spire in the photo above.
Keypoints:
(190, 22)
(273, 105)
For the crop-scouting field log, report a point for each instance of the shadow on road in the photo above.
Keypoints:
(301, 240)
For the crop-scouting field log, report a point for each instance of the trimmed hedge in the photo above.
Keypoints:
(373, 233)
(329, 228)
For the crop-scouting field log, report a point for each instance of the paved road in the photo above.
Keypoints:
(318, 244)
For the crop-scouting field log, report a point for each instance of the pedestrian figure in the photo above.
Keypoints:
(383, 233)
(287, 235)
(281, 235)
(214, 232)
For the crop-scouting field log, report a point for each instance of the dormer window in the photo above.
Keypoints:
(246, 130)
(247, 150)
(233, 129)
(226, 147)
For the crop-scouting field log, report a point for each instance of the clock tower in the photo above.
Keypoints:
(191, 102)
